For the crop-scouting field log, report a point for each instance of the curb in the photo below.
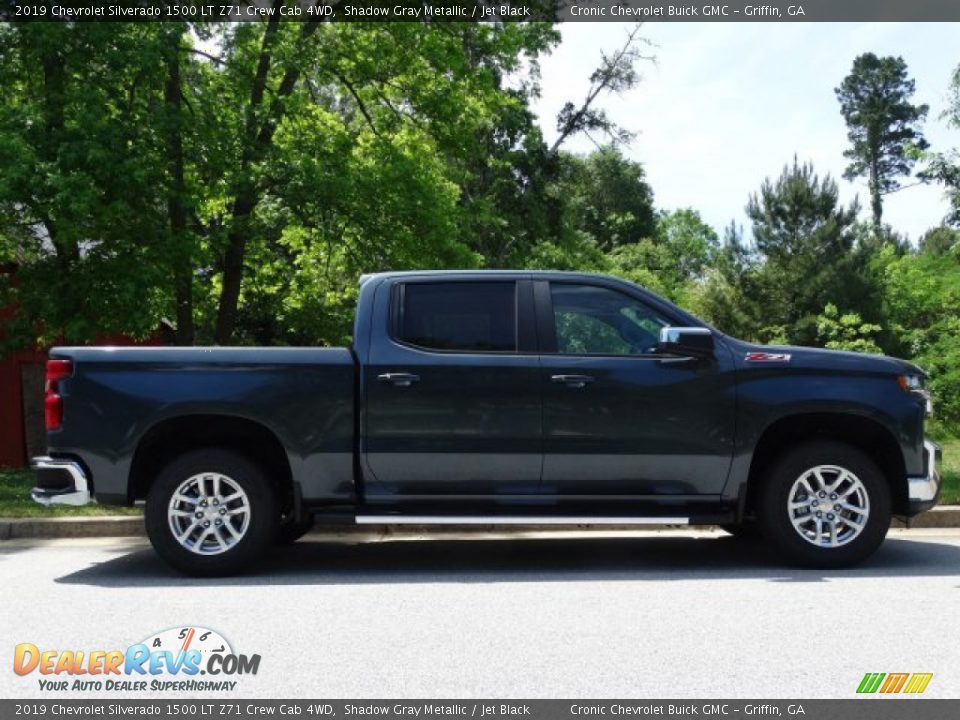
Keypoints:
(947, 516)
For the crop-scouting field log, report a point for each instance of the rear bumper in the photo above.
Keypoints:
(59, 482)
(924, 491)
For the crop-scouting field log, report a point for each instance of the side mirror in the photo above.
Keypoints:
(693, 341)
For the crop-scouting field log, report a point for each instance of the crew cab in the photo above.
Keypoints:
(493, 397)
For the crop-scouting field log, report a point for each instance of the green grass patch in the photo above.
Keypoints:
(950, 492)
(15, 500)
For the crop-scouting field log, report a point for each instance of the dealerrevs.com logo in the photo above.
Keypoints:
(894, 683)
(171, 660)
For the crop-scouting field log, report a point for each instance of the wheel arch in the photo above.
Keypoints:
(171, 437)
(862, 432)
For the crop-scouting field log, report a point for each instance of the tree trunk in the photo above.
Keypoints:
(54, 102)
(876, 201)
(176, 208)
(245, 199)
(258, 139)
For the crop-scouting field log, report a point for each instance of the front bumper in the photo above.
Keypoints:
(924, 491)
(59, 482)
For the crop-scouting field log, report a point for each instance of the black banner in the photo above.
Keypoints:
(879, 708)
(478, 10)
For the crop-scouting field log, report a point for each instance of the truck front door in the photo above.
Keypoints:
(620, 418)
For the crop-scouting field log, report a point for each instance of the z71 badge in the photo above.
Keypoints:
(768, 357)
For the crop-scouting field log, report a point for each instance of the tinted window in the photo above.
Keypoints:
(597, 321)
(460, 316)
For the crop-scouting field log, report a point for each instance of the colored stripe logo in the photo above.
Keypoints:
(893, 683)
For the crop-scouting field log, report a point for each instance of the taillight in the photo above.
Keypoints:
(52, 403)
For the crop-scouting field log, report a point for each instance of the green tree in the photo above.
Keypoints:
(676, 256)
(608, 198)
(922, 302)
(847, 331)
(79, 212)
(941, 240)
(804, 239)
(944, 167)
(242, 191)
(882, 125)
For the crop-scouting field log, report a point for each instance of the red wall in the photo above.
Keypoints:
(13, 447)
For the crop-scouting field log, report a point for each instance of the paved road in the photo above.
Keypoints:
(662, 615)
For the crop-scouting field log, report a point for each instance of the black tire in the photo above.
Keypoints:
(243, 473)
(291, 530)
(774, 515)
(747, 531)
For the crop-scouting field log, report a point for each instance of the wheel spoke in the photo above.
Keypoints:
(218, 534)
(822, 520)
(853, 508)
(233, 531)
(841, 476)
(182, 537)
(819, 476)
(203, 536)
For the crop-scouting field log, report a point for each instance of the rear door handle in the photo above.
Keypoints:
(399, 379)
(574, 381)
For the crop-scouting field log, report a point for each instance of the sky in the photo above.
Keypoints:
(728, 104)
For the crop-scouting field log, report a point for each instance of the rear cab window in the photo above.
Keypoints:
(460, 316)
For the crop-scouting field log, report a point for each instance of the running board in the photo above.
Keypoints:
(514, 520)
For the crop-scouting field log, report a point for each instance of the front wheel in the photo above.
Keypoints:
(211, 512)
(825, 504)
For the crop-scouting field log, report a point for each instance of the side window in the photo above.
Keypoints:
(596, 321)
(479, 316)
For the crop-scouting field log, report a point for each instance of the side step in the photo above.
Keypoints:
(515, 520)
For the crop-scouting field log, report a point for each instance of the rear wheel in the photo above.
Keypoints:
(825, 504)
(211, 512)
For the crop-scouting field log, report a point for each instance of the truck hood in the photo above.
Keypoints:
(824, 359)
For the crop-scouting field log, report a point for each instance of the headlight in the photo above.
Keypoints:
(914, 384)
(910, 383)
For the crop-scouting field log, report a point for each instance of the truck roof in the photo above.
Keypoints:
(545, 274)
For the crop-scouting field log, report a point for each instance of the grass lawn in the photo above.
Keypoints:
(15, 491)
(950, 493)
(15, 500)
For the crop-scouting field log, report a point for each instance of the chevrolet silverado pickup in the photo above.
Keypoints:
(493, 397)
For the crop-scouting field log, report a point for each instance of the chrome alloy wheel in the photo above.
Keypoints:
(828, 506)
(208, 513)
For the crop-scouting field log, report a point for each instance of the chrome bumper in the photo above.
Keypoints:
(60, 482)
(926, 489)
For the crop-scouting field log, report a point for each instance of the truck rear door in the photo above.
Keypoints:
(451, 390)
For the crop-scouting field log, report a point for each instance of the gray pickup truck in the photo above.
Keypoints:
(497, 397)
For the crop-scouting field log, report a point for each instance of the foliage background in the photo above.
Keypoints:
(233, 181)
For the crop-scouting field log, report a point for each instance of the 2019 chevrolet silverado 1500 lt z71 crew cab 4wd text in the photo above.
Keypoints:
(500, 397)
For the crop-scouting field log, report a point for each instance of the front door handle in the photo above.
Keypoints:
(574, 381)
(399, 379)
